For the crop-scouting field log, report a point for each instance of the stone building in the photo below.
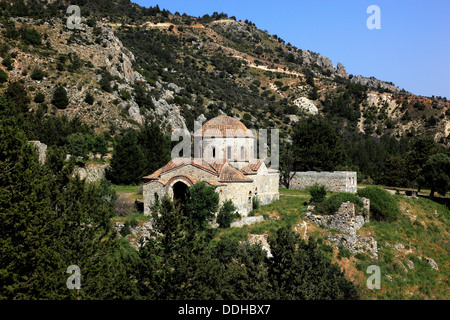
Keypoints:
(338, 181)
(224, 158)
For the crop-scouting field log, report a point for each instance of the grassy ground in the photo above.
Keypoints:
(426, 237)
(422, 231)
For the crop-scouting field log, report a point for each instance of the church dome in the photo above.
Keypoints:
(224, 127)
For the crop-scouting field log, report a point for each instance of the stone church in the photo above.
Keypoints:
(226, 160)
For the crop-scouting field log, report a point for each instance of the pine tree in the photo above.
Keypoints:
(128, 160)
(156, 147)
(60, 99)
(26, 255)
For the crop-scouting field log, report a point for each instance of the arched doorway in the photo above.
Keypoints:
(179, 193)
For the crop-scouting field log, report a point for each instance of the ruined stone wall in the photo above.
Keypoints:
(91, 173)
(338, 181)
(149, 191)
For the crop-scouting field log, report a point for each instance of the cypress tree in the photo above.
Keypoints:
(128, 160)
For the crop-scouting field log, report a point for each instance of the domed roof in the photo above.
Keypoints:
(224, 127)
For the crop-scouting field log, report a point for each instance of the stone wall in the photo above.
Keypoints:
(149, 191)
(346, 221)
(91, 173)
(337, 181)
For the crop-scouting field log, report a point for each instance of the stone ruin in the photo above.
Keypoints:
(346, 221)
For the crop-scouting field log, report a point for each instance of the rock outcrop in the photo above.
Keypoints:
(41, 149)
(306, 105)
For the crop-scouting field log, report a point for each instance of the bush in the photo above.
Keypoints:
(255, 203)
(227, 214)
(334, 202)
(60, 99)
(126, 229)
(3, 76)
(39, 97)
(37, 74)
(383, 206)
(318, 193)
(202, 202)
(89, 99)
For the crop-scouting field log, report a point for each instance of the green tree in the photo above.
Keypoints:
(3, 76)
(201, 204)
(17, 93)
(395, 173)
(435, 174)
(227, 214)
(301, 271)
(316, 146)
(25, 221)
(383, 206)
(156, 147)
(37, 74)
(128, 160)
(317, 192)
(60, 99)
(89, 99)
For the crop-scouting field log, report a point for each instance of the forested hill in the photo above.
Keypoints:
(126, 65)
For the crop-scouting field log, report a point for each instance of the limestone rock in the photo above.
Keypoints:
(170, 113)
(133, 111)
(306, 105)
(92, 173)
(263, 240)
(432, 263)
(340, 70)
(41, 149)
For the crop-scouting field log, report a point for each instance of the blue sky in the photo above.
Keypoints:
(412, 48)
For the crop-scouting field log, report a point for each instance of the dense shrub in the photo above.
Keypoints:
(333, 203)
(317, 192)
(383, 206)
(3, 76)
(202, 202)
(89, 99)
(60, 99)
(39, 97)
(227, 214)
(37, 74)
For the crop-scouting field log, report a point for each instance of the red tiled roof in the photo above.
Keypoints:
(252, 167)
(224, 126)
(178, 163)
(224, 171)
(230, 174)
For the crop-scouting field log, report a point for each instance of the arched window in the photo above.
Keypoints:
(214, 152)
(229, 153)
(242, 153)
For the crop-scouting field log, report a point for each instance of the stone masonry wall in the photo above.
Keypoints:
(346, 221)
(338, 181)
